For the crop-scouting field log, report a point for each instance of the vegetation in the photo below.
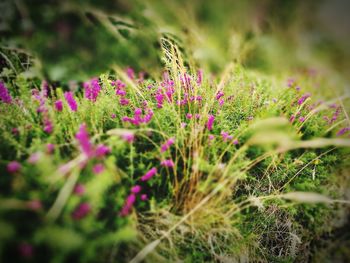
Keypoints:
(168, 131)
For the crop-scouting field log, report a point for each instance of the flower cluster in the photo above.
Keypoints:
(92, 89)
(68, 95)
(4, 94)
(138, 117)
(165, 146)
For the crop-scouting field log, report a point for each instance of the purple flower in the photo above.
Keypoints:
(124, 101)
(303, 98)
(128, 136)
(199, 77)
(79, 189)
(210, 122)
(50, 148)
(226, 136)
(136, 189)
(167, 163)
(188, 115)
(48, 126)
(13, 167)
(165, 146)
(219, 95)
(113, 116)
(98, 168)
(84, 141)
(59, 105)
(92, 89)
(302, 119)
(149, 174)
(144, 197)
(4, 94)
(343, 131)
(81, 211)
(25, 250)
(130, 72)
(211, 137)
(102, 150)
(129, 202)
(71, 101)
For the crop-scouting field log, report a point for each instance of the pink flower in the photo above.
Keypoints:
(59, 105)
(219, 95)
(48, 126)
(25, 250)
(197, 116)
(226, 136)
(188, 115)
(130, 72)
(136, 189)
(211, 137)
(199, 77)
(81, 211)
(149, 174)
(92, 89)
(5, 96)
(84, 141)
(343, 131)
(102, 150)
(144, 197)
(113, 116)
(303, 98)
(302, 119)
(79, 189)
(71, 101)
(98, 168)
(292, 118)
(124, 101)
(128, 136)
(50, 148)
(183, 124)
(165, 146)
(34, 158)
(167, 163)
(129, 202)
(210, 122)
(13, 167)
(34, 205)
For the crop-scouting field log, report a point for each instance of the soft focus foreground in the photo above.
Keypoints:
(200, 139)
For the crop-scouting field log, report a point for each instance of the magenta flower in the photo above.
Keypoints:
(226, 136)
(136, 189)
(50, 148)
(303, 98)
(199, 77)
(34, 205)
(197, 115)
(343, 131)
(48, 126)
(144, 197)
(188, 115)
(129, 202)
(71, 101)
(5, 96)
(92, 89)
(26, 250)
(128, 136)
(13, 167)
(98, 168)
(292, 118)
(210, 122)
(219, 95)
(149, 174)
(113, 116)
(167, 163)
(130, 72)
(81, 211)
(165, 146)
(79, 189)
(102, 150)
(84, 141)
(59, 105)
(211, 137)
(159, 98)
(302, 119)
(124, 101)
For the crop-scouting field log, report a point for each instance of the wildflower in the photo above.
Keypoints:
(197, 115)
(4, 94)
(136, 189)
(235, 142)
(211, 137)
(149, 174)
(15, 131)
(34, 205)
(226, 136)
(303, 98)
(183, 124)
(188, 115)
(221, 102)
(50, 148)
(83, 138)
(210, 122)
(165, 146)
(167, 163)
(25, 250)
(130, 72)
(292, 118)
(113, 116)
(13, 167)
(124, 101)
(144, 197)
(48, 127)
(159, 98)
(129, 202)
(102, 150)
(302, 119)
(71, 101)
(343, 131)
(92, 89)
(199, 77)
(290, 82)
(128, 136)
(81, 211)
(219, 95)
(98, 168)
(59, 105)
(79, 189)
(34, 158)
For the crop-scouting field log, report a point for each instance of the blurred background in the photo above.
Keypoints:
(77, 39)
